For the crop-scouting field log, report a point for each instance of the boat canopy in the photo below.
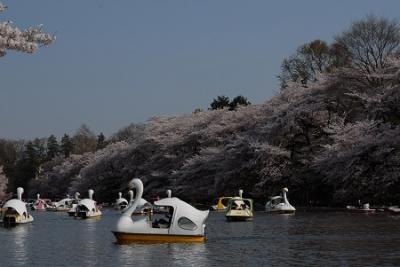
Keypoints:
(185, 218)
(17, 205)
(240, 203)
(88, 203)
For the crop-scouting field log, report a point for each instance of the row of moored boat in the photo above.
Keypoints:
(166, 220)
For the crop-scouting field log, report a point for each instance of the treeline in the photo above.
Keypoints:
(21, 161)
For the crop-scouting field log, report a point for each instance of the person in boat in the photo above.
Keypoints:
(164, 222)
(169, 214)
(235, 206)
(244, 206)
(161, 223)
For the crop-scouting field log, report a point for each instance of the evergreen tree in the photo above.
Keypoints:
(220, 103)
(66, 145)
(101, 143)
(29, 150)
(27, 167)
(224, 102)
(22, 173)
(8, 152)
(238, 101)
(52, 147)
(39, 155)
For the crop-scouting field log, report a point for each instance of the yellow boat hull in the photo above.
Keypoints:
(126, 238)
(281, 211)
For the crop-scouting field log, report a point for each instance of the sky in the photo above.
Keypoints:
(120, 62)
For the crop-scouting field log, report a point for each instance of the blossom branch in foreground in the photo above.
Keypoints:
(28, 41)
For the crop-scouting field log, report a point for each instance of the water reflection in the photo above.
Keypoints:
(189, 254)
(88, 239)
(178, 254)
(18, 245)
(282, 231)
(126, 254)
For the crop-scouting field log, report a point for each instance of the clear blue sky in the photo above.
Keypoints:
(117, 62)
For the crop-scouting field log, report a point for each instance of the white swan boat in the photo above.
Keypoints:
(239, 208)
(14, 211)
(170, 220)
(64, 204)
(280, 204)
(121, 203)
(87, 207)
(72, 210)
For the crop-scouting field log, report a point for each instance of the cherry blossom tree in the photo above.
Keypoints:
(27, 40)
(361, 163)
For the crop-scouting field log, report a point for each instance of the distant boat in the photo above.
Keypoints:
(239, 208)
(64, 204)
(394, 210)
(40, 204)
(279, 204)
(169, 220)
(222, 204)
(361, 209)
(87, 207)
(14, 211)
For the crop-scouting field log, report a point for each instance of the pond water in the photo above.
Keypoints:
(302, 239)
